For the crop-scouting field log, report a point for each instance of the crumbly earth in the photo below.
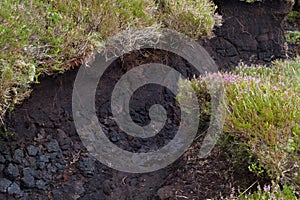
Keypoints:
(46, 159)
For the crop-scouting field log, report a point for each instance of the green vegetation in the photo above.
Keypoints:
(193, 18)
(252, 1)
(294, 17)
(270, 192)
(43, 37)
(262, 124)
(292, 37)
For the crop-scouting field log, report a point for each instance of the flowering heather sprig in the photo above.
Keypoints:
(270, 192)
(227, 78)
(267, 188)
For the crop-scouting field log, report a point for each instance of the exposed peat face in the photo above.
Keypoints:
(46, 159)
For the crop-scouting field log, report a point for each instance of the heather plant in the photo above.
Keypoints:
(263, 118)
(265, 115)
(268, 192)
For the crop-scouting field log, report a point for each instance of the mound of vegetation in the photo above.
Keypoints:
(262, 124)
(42, 37)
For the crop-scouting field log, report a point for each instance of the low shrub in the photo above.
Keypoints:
(263, 118)
(268, 192)
(265, 114)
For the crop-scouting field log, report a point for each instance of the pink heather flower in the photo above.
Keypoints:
(21, 6)
(273, 196)
(267, 188)
(227, 78)
(232, 193)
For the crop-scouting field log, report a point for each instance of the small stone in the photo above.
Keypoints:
(3, 149)
(30, 171)
(44, 158)
(53, 170)
(40, 184)
(59, 155)
(57, 194)
(46, 176)
(25, 163)
(86, 165)
(59, 166)
(62, 162)
(2, 159)
(26, 171)
(36, 173)
(41, 165)
(107, 187)
(165, 192)
(78, 187)
(65, 149)
(77, 147)
(14, 189)
(57, 124)
(41, 151)
(8, 157)
(4, 184)
(53, 146)
(114, 138)
(61, 133)
(12, 171)
(5, 154)
(28, 181)
(18, 156)
(32, 150)
(53, 156)
(98, 194)
(2, 166)
(58, 177)
(32, 162)
(74, 189)
(48, 167)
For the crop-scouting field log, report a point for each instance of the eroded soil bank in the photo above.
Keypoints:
(45, 159)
